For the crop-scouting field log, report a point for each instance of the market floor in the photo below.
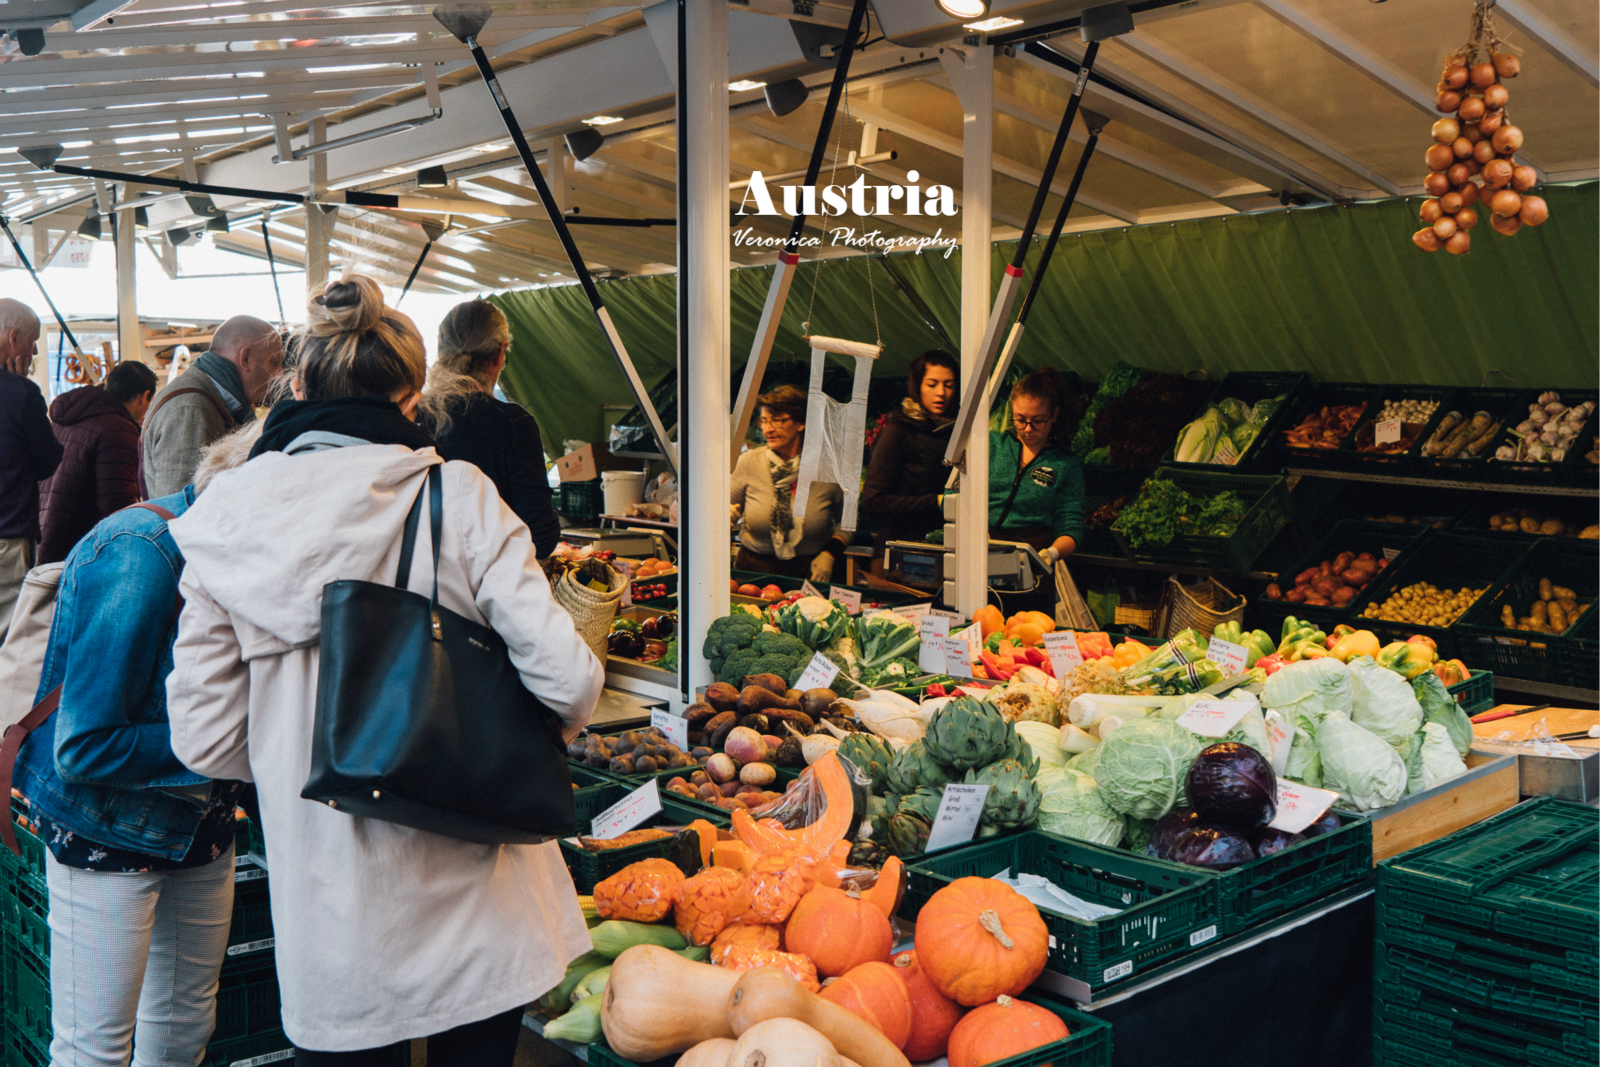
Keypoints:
(532, 1051)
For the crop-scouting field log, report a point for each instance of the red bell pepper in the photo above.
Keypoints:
(996, 667)
(1273, 663)
(1423, 639)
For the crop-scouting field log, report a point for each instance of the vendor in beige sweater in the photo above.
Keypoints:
(774, 540)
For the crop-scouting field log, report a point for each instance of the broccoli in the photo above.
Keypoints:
(727, 635)
(781, 644)
(753, 661)
(736, 666)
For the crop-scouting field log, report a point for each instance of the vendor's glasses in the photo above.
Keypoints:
(1024, 423)
(779, 420)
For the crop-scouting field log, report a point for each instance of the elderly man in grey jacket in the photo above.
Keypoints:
(218, 392)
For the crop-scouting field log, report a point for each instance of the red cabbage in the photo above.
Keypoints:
(1168, 829)
(1233, 785)
(1266, 840)
(1212, 847)
(1327, 824)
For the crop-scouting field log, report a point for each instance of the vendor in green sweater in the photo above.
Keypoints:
(1035, 484)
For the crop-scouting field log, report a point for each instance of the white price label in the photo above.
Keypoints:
(626, 569)
(977, 692)
(807, 589)
(1229, 656)
(1390, 554)
(913, 611)
(972, 635)
(957, 657)
(251, 946)
(819, 673)
(1300, 805)
(1214, 718)
(269, 1057)
(250, 875)
(1201, 936)
(1280, 738)
(957, 818)
(675, 727)
(953, 616)
(848, 597)
(934, 629)
(1062, 648)
(628, 812)
(1386, 432)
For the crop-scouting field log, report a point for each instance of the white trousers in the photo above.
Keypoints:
(134, 963)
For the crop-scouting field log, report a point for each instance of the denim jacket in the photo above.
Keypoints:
(102, 765)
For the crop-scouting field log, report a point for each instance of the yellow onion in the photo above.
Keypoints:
(1505, 202)
(1482, 75)
(1466, 218)
(1448, 101)
(1496, 97)
(1497, 173)
(1469, 194)
(1490, 123)
(1461, 147)
(1437, 184)
(1473, 134)
(1471, 109)
(1524, 178)
(1458, 243)
(1449, 204)
(1456, 75)
(1438, 157)
(1426, 239)
(1505, 224)
(1534, 211)
(1433, 209)
(1446, 130)
(1507, 140)
(1483, 151)
(1460, 172)
(1506, 65)
(1445, 227)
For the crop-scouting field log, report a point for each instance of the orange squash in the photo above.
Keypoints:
(1001, 1030)
(875, 992)
(708, 839)
(933, 1015)
(793, 964)
(887, 892)
(978, 939)
(838, 930)
(748, 935)
(643, 892)
(708, 902)
(735, 854)
(777, 884)
(816, 839)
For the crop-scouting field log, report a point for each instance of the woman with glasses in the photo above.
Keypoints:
(906, 475)
(1035, 484)
(775, 540)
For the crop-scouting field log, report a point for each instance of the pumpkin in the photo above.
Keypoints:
(777, 883)
(978, 939)
(782, 1043)
(641, 892)
(839, 930)
(766, 993)
(657, 1003)
(712, 1053)
(735, 854)
(748, 934)
(708, 840)
(1001, 1030)
(748, 958)
(877, 993)
(933, 1015)
(832, 781)
(887, 891)
(708, 902)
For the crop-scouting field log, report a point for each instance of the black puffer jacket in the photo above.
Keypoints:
(906, 475)
(99, 472)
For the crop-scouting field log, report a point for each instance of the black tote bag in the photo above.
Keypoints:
(422, 719)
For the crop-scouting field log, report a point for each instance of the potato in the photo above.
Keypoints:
(1529, 525)
(1540, 612)
(1558, 618)
(1552, 527)
(1563, 593)
(1547, 591)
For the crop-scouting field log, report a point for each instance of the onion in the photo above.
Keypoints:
(1469, 194)
(1459, 243)
(1482, 75)
(1466, 219)
(1505, 202)
(1448, 101)
(1446, 130)
(1433, 210)
(1495, 97)
(1473, 134)
(1459, 173)
(1438, 157)
(1524, 178)
(1461, 147)
(1506, 224)
(1445, 228)
(1497, 173)
(1507, 65)
(1534, 211)
(1437, 184)
(1449, 204)
(1483, 151)
(1426, 239)
(1471, 109)
(1490, 123)
(1506, 140)
(1455, 76)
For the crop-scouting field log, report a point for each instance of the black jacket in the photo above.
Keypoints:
(29, 453)
(502, 440)
(906, 475)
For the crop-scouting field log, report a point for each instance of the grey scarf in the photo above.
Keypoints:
(228, 382)
(783, 532)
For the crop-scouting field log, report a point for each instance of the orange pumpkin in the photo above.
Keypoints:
(1001, 1030)
(643, 892)
(978, 939)
(747, 935)
(890, 887)
(875, 992)
(796, 966)
(838, 930)
(933, 1015)
(708, 839)
(777, 883)
(816, 839)
(708, 902)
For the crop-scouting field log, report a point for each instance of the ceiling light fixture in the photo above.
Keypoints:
(602, 120)
(999, 22)
(744, 85)
(965, 10)
(432, 178)
(584, 143)
(785, 96)
(141, 218)
(89, 228)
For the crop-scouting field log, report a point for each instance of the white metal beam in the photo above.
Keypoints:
(1342, 46)
(1549, 37)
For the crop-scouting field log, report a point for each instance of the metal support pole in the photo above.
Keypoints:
(16, 245)
(703, 279)
(272, 265)
(319, 227)
(130, 339)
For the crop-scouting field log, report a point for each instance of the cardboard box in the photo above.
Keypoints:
(585, 464)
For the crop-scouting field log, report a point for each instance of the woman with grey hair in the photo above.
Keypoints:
(499, 438)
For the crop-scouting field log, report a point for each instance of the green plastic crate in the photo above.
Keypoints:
(27, 984)
(1474, 694)
(21, 1052)
(602, 1055)
(23, 917)
(1324, 395)
(1169, 910)
(1409, 1016)
(1266, 497)
(1567, 1011)
(590, 867)
(1437, 939)
(1534, 657)
(1263, 889)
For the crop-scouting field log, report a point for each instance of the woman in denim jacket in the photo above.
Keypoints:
(140, 870)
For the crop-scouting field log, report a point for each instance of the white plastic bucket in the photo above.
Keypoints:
(621, 490)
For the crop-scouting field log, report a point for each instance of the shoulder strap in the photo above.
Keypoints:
(408, 541)
(227, 416)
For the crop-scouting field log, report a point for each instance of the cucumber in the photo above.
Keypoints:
(581, 1025)
(592, 983)
(561, 995)
(614, 936)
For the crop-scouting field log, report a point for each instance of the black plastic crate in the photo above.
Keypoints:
(1581, 651)
(1252, 387)
(1554, 472)
(1352, 456)
(1447, 561)
(1386, 541)
(1573, 514)
(1484, 638)
(590, 867)
(1325, 395)
(247, 997)
(1499, 404)
(1266, 498)
(579, 502)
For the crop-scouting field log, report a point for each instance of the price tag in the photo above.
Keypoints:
(1300, 805)
(848, 597)
(807, 589)
(934, 629)
(957, 657)
(1386, 432)
(675, 727)
(972, 635)
(628, 812)
(957, 818)
(1229, 656)
(1280, 738)
(976, 691)
(819, 673)
(953, 616)
(1214, 718)
(912, 611)
(1390, 554)
(1062, 648)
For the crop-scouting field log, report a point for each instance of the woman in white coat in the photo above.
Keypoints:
(384, 933)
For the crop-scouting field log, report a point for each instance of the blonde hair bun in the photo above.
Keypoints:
(352, 305)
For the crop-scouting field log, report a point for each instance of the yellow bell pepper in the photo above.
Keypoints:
(990, 619)
(1128, 653)
(1359, 643)
(1407, 658)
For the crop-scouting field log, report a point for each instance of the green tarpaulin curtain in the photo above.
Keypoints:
(1338, 291)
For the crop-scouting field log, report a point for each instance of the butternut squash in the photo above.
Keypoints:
(712, 1053)
(782, 1043)
(657, 1003)
(766, 993)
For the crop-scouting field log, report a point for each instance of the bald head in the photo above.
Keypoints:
(254, 347)
(19, 334)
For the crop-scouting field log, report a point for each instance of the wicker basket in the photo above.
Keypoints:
(1143, 616)
(1203, 607)
(592, 612)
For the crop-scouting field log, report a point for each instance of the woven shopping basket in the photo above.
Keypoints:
(1202, 606)
(592, 611)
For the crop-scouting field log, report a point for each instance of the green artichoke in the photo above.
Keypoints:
(869, 755)
(1013, 800)
(867, 854)
(913, 768)
(1017, 749)
(923, 803)
(906, 834)
(968, 733)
